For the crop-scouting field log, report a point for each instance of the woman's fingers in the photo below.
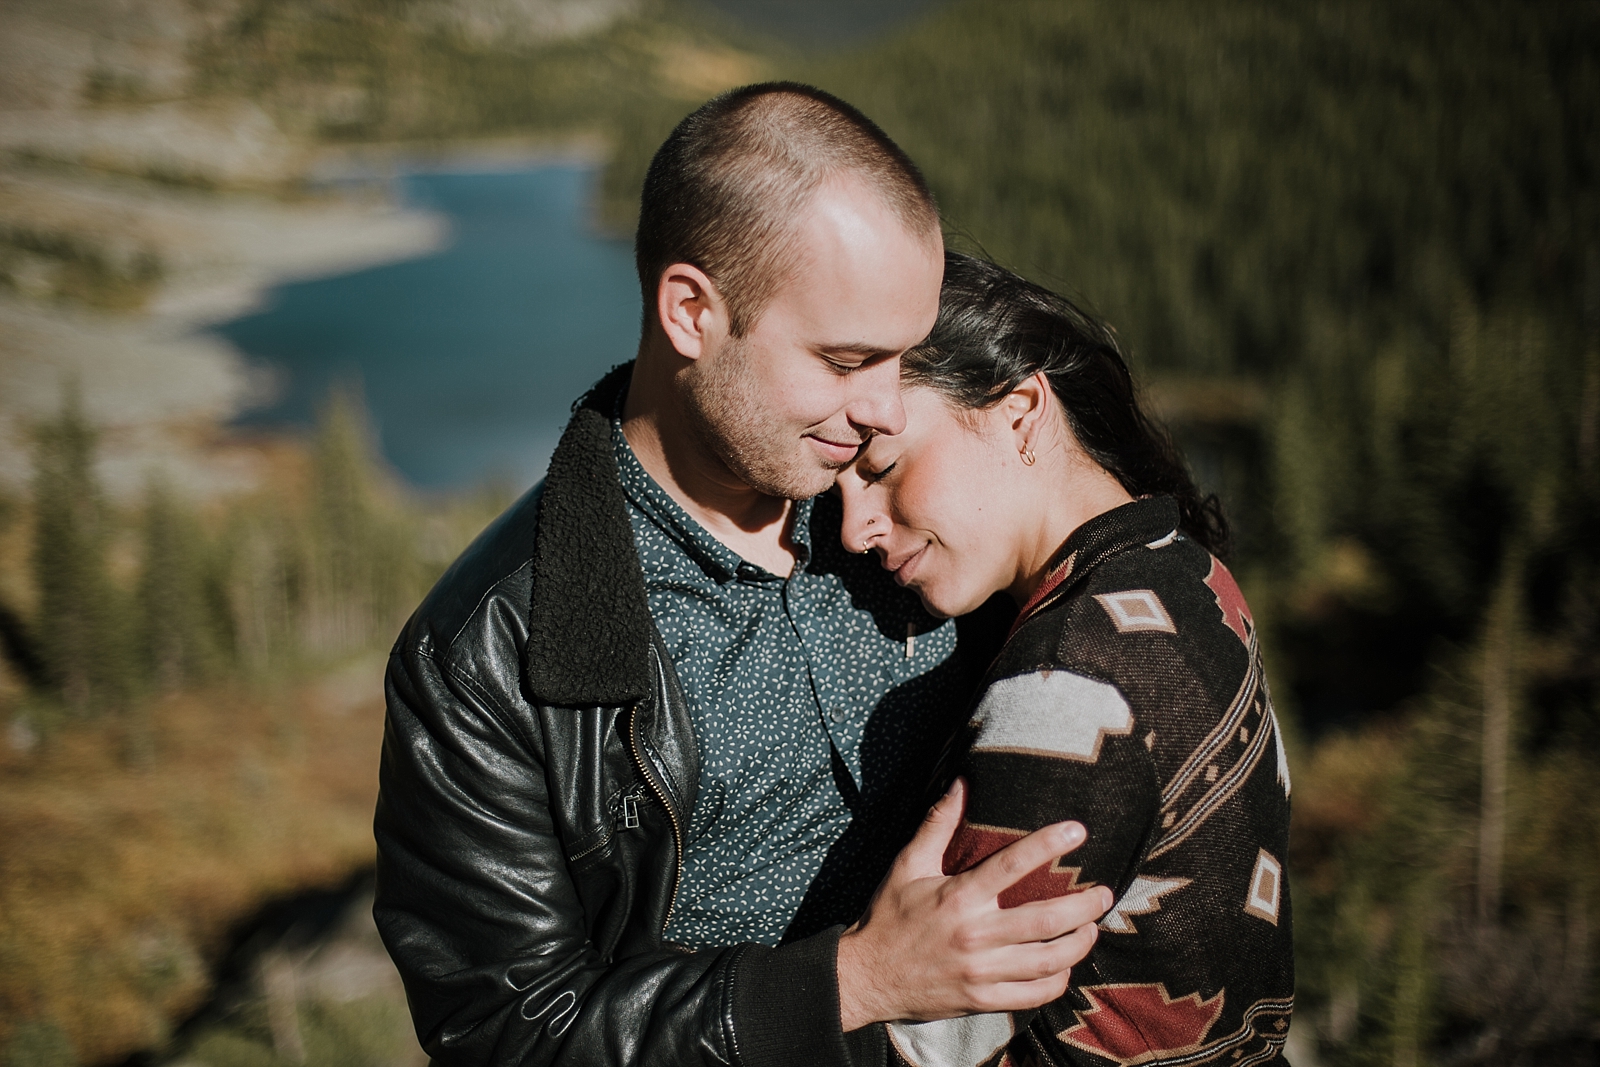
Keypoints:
(1014, 862)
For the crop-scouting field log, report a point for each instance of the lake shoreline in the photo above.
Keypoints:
(164, 388)
(467, 358)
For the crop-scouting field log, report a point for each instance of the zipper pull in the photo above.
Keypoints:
(630, 812)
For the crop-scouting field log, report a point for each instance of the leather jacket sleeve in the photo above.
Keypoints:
(479, 906)
(479, 911)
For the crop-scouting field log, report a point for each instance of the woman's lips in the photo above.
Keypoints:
(906, 568)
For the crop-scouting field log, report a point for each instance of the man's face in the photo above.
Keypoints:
(788, 405)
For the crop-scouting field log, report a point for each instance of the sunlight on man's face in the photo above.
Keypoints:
(819, 372)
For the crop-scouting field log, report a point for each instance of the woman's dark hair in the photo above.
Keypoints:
(996, 330)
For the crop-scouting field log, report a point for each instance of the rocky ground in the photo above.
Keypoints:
(137, 208)
(112, 280)
(157, 385)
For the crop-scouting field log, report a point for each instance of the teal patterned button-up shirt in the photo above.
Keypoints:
(811, 698)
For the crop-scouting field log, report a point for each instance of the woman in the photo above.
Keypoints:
(1129, 694)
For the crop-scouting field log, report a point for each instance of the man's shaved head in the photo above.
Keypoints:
(725, 191)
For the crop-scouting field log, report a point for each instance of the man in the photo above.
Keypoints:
(627, 728)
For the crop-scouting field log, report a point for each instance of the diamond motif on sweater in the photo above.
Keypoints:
(1137, 610)
(1266, 888)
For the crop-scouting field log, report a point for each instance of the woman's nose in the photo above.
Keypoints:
(862, 527)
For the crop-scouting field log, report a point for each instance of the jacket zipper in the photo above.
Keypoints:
(627, 818)
(661, 794)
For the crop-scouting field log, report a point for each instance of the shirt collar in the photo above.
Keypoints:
(718, 560)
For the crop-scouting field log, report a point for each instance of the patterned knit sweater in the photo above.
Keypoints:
(1130, 697)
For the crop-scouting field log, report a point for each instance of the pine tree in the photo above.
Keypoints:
(361, 560)
(79, 636)
(259, 585)
(178, 636)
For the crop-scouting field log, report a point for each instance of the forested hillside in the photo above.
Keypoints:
(1355, 250)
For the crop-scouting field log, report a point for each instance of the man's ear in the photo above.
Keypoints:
(690, 309)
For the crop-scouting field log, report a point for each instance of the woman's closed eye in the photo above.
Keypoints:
(872, 477)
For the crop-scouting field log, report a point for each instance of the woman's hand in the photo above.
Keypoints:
(933, 946)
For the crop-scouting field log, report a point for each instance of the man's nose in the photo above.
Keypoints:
(877, 405)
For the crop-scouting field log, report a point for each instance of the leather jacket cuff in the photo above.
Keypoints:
(786, 1008)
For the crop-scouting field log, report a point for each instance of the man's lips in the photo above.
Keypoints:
(839, 452)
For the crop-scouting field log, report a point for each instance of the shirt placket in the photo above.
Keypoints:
(807, 701)
(835, 712)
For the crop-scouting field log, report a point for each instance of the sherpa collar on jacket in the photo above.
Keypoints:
(588, 623)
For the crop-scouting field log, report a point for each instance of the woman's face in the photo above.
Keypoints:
(939, 503)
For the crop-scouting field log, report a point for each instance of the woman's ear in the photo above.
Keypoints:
(689, 308)
(1027, 407)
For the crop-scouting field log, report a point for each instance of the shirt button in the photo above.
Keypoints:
(837, 714)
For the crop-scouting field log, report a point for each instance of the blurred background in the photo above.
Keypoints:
(295, 294)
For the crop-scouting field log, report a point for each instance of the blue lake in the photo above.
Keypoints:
(469, 358)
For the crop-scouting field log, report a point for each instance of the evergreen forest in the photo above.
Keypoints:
(1354, 251)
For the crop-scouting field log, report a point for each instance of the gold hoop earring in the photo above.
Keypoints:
(1028, 457)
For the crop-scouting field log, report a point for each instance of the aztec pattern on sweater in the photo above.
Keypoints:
(1130, 696)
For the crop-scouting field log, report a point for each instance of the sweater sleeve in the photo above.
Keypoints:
(1050, 746)
(1046, 746)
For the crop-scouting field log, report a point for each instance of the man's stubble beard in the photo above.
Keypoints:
(725, 406)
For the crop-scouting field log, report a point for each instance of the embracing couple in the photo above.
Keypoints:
(867, 527)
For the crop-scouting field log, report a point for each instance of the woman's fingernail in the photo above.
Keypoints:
(1073, 834)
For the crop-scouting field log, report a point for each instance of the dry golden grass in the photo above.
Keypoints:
(1339, 794)
(128, 852)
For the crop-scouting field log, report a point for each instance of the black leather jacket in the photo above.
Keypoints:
(539, 768)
